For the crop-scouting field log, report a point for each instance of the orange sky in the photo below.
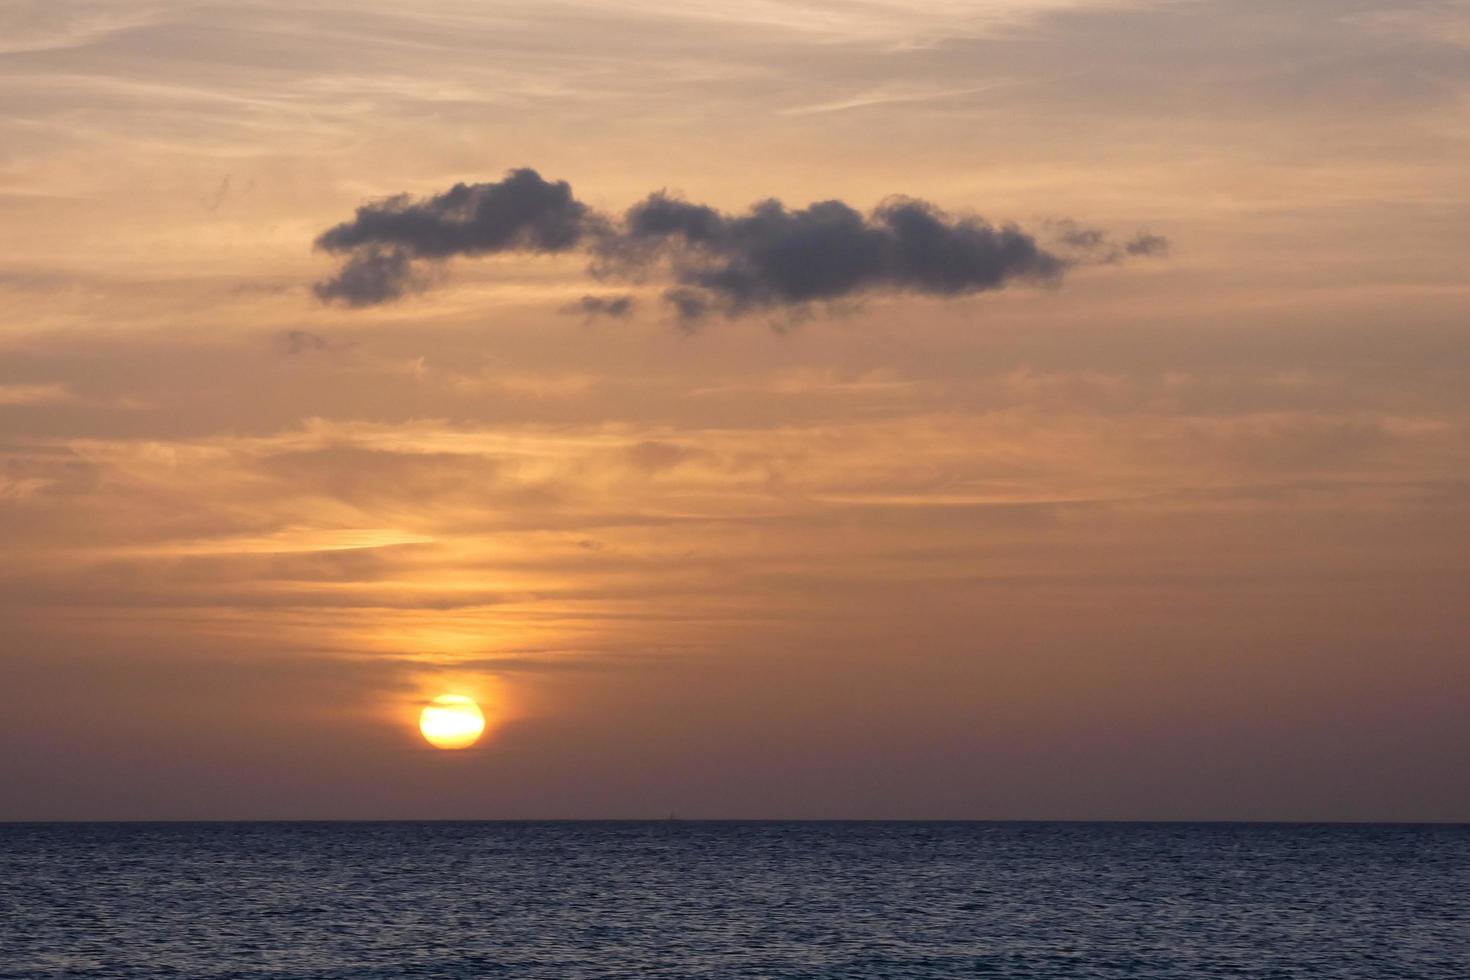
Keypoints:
(1182, 537)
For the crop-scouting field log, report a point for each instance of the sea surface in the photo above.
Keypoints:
(740, 900)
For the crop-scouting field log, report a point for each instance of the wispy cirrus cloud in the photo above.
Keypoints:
(35, 394)
(48, 25)
(890, 95)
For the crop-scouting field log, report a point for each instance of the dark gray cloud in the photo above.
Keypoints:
(1095, 246)
(372, 275)
(594, 306)
(522, 213)
(1147, 244)
(688, 304)
(773, 257)
(769, 258)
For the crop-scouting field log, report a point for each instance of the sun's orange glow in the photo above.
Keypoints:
(451, 721)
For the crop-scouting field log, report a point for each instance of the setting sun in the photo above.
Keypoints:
(451, 721)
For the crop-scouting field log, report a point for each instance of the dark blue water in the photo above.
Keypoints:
(742, 900)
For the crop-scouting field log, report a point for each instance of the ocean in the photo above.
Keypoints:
(693, 899)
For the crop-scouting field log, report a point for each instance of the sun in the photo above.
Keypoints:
(451, 721)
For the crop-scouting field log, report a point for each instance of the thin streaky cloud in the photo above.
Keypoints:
(53, 25)
(879, 97)
(35, 394)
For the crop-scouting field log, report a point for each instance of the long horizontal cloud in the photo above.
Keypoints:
(769, 258)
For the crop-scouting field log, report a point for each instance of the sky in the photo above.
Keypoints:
(998, 409)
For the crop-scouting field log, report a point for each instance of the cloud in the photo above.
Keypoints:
(1145, 243)
(770, 258)
(522, 213)
(370, 276)
(32, 394)
(653, 456)
(1098, 247)
(301, 342)
(616, 307)
(52, 25)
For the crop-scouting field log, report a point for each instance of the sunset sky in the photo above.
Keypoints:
(1104, 455)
